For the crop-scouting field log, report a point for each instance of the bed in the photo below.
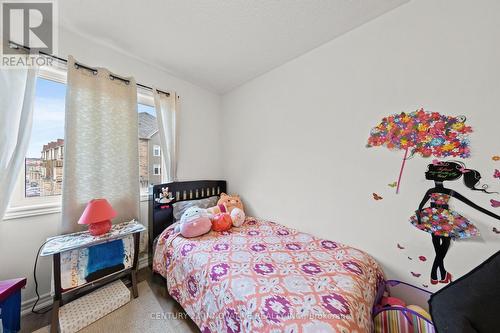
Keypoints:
(265, 277)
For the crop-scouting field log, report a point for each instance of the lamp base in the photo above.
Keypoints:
(99, 228)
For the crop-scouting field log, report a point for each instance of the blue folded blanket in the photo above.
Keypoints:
(105, 255)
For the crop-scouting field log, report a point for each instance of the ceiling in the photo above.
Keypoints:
(218, 44)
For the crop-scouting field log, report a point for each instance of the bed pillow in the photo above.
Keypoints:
(181, 206)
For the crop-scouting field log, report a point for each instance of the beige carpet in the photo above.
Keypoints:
(135, 316)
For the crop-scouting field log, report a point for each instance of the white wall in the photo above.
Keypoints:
(199, 155)
(295, 137)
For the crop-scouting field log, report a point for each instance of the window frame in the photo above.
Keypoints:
(145, 97)
(155, 147)
(20, 205)
(157, 166)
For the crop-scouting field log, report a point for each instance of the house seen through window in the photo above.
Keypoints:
(156, 150)
(149, 148)
(44, 159)
(156, 169)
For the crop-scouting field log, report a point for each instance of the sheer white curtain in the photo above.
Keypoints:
(167, 107)
(101, 145)
(17, 93)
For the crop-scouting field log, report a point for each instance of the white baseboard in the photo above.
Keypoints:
(46, 299)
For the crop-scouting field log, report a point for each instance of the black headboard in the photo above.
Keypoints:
(161, 215)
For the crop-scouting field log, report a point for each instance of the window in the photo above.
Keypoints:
(39, 185)
(156, 170)
(149, 148)
(44, 159)
(156, 150)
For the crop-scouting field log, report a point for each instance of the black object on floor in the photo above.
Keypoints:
(471, 303)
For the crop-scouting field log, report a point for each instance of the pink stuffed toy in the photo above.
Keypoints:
(392, 301)
(222, 222)
(194, 222)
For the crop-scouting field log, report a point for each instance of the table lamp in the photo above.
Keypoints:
(98, 215)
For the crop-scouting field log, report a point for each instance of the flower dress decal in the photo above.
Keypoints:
(439, 220)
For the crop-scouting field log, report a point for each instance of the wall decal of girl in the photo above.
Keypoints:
(439, 220)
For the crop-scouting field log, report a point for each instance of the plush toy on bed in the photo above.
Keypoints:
(165, 197)
(230, 204)
(226, 204)
(194, 222)
(221, 222)
(237, 216)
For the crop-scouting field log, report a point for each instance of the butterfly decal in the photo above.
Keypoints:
(422, 258)
(496, 174)
(496, 231)
(415, 274)
(376, 196)
(425, 285)
(393, 184)
(496, 158)
(495, 203)
(400, 247)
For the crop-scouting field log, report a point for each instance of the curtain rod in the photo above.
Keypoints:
(77, 65)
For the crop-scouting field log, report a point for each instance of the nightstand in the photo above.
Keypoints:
(83, 263)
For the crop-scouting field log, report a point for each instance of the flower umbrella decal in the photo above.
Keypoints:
(422, 132)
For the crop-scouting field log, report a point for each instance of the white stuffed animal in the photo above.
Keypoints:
(194, 222)
(238, 216)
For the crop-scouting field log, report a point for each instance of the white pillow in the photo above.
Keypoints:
(181, 206)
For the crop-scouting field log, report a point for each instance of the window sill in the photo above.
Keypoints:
(32, 210)
(42, 209)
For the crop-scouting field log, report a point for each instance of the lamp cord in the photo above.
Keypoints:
(47, 309)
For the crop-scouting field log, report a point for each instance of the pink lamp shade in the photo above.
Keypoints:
(98, 215)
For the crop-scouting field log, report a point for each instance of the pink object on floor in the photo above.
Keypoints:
(8, 287)
(392, 301)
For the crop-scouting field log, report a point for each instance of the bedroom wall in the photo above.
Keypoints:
(199, 139)
(294, 138)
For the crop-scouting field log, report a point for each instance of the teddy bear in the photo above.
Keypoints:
(231, 205)
(226, 204)
(194, 222)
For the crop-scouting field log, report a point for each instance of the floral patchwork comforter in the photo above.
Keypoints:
(264, 277)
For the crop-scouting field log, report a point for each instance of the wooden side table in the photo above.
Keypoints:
(60, 245)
